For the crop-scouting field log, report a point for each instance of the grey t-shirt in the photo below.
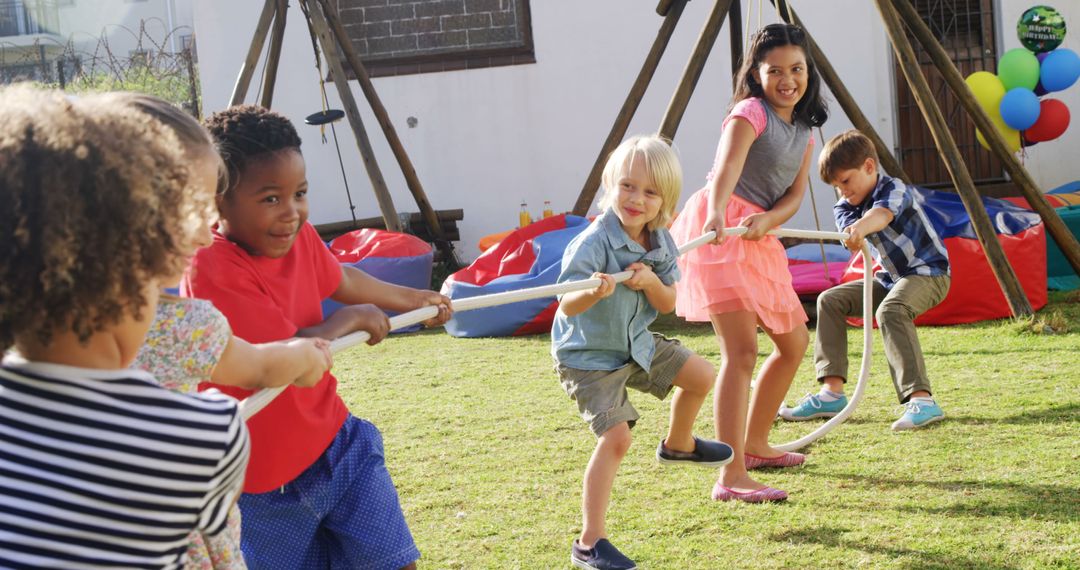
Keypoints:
(773, 160)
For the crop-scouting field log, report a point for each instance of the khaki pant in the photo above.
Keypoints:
(895, 310)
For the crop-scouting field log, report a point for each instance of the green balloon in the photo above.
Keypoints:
(1019, 68)
(1041, 28)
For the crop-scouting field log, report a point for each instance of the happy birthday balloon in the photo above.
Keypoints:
(1041, 28)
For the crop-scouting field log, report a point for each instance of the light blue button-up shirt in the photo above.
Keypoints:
(615, 330)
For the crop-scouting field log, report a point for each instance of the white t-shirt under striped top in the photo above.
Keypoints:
(107, 469)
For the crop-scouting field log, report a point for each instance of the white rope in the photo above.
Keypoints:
(259, 400)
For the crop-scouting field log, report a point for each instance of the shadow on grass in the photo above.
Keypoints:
(834, 537)
(1018, 500)
(1068, 413)
(1042, 352)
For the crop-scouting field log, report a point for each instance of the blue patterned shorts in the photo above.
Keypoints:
(341, 512)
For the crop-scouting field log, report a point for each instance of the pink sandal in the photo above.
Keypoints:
(788, 459)
(766, 495)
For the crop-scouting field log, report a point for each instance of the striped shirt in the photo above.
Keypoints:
(909, 245)
(107, 469)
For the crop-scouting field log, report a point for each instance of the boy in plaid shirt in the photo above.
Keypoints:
(914, 278)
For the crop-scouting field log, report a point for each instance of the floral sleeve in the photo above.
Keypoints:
(184, 343)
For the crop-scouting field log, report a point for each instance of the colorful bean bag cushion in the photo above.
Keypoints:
(1066, 200)
(527, 257)
(397, 258)
(974, 294)
(809, 276)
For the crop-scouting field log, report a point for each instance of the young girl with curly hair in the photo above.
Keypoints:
(101, 465)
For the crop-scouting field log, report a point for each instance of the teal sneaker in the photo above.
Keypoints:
(918, 412)
(812, 406)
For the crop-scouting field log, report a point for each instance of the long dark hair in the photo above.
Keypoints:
(811, 110)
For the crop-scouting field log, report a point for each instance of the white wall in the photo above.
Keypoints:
(1055, 162)
(487, 139)
(85, 21)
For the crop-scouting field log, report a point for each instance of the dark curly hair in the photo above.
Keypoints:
(94, 209)
(248, 133)
(811, 110)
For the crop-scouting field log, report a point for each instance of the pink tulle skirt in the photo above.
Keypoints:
(738, 275)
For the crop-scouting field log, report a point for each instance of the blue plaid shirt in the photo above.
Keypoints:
(615, 330)
(909, 245)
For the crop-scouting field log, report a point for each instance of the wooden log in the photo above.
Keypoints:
(692, 72)
(416, 225)
(984, 230)
(367, 154)
(277, 35)
(412, 181)
(1019, 175)
(843, 96)
(736, 33)
(243, 81)
(633, 99)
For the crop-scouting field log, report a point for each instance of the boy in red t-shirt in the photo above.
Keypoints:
(317, 474)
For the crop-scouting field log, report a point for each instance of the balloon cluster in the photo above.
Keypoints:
(1011, 97)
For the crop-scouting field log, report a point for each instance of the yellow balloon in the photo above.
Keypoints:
(988, 90)
(1011, 135)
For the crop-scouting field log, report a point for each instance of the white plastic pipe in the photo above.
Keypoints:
(259, 400)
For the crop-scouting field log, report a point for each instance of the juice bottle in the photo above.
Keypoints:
(524, 218)
(547, 209)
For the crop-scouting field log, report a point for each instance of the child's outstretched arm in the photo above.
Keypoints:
(580, 301)
(735, 144)
(874, 220)
(252, 366)
(359, 287)
(660, 296)
(349, 319)
(785, 207)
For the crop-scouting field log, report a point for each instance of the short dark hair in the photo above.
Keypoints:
(846, 151)
(246, 133)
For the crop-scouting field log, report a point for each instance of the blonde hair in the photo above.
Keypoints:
(94, 206)
(846, 151)
(662, 166)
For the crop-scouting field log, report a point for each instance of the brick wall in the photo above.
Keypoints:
(396, 37)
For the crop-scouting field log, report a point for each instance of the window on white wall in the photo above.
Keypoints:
(394, 37)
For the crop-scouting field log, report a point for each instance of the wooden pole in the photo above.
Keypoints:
(243, 81)
(383, 118)
(330, 53)
(735, 28)
(692, 71)
(984, 230)
(665, 5)
(1019, 175)
(843, 96)
(630, 105)
(277, 35)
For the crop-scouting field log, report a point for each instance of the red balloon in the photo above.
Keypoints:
(1053, 120)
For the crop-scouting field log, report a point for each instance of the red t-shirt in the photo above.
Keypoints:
(267, 300)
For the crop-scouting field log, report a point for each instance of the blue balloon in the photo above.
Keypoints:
(1020, 108)
(1060, 69)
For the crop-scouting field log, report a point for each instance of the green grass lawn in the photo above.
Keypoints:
(488, 452)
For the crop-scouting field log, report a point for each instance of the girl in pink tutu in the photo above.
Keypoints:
(740, 283)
